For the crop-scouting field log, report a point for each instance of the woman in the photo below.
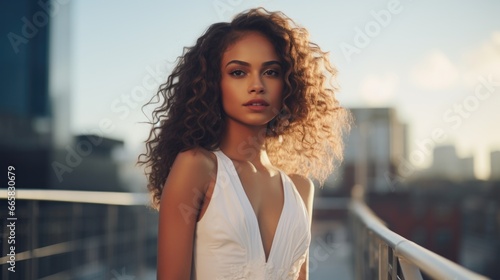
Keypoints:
(248, 104)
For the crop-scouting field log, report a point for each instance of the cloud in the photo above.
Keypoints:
(483, 60)
(378, 89)
(434, 72)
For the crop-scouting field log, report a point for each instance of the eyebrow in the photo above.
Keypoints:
(243, 63)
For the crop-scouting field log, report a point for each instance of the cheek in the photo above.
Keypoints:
(226, 89)
(228, 85)
(227, 94)
(276, 97)
(278, 92)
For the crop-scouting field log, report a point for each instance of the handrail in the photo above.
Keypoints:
(92, 224)
(411, 256)
(110, 198)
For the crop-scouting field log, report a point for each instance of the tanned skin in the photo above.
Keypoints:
(250, 70)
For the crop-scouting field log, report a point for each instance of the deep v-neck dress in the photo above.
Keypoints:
(228, 243)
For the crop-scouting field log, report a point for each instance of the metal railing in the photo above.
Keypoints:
(63, 234)
(379, 253)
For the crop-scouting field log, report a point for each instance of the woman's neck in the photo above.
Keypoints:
(245, 143)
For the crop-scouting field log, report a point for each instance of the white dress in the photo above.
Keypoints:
(228, 244)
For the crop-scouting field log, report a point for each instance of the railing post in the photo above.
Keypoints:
(5, 236)
(394, 270)
(110, 237)
(373, 253)
(34, 240)
(382, 261)
(140, 243)
(359, 253)
(410, 271)
(75, 230)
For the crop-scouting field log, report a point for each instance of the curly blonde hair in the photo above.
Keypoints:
(305, 138)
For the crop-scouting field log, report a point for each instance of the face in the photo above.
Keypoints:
(252, 81)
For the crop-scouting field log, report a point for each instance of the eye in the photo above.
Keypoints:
(237, 73)
(271, 72)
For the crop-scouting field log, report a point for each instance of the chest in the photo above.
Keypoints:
(264, 192)
(235, 237)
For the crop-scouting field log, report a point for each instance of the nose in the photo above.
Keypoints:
(256, 85)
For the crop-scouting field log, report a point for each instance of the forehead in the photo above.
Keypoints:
(251, 47)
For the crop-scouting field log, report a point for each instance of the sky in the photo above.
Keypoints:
(436, 62)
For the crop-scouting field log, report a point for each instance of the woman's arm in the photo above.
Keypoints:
(180, 204)
(305, 187)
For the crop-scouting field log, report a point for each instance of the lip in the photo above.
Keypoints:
(256, 103)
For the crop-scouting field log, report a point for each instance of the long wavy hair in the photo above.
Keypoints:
(305, 138)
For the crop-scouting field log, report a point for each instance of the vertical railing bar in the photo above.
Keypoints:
(110, 227)
(360, 272)
(365, 253)
(76, 214)
(376, 255)
(410, 270)
(5, 237)
(380, 262)
(140, 244)
(355, 256)
(394, 265)
(389, 262)
(357, 245)
(373, 255)
(383, 260)
(360, 254)
(34, 239)
(370, 250)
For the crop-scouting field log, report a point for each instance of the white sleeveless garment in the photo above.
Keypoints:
(228, 244)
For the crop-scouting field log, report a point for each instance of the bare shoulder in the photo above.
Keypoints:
(192, 169)
(183, 193)
(305, 187)
(197, 159)
(303, 184)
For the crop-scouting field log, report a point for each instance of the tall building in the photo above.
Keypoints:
(495, 165)
(25, 115)
(445, 162)
(35, 108)
(60, 73)
(447, 165)
(374, 149)
(467, 168)
(35, 139)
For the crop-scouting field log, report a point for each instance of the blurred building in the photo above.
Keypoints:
(35, 110)
(446, 164)
(467, 168)
(425, 214)
(25, 115)
(375, 147)
(495, 165)
(455, 219)
(36, 139)
(87, 164)
(480, 245)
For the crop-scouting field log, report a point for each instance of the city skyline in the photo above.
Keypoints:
(426, 60)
